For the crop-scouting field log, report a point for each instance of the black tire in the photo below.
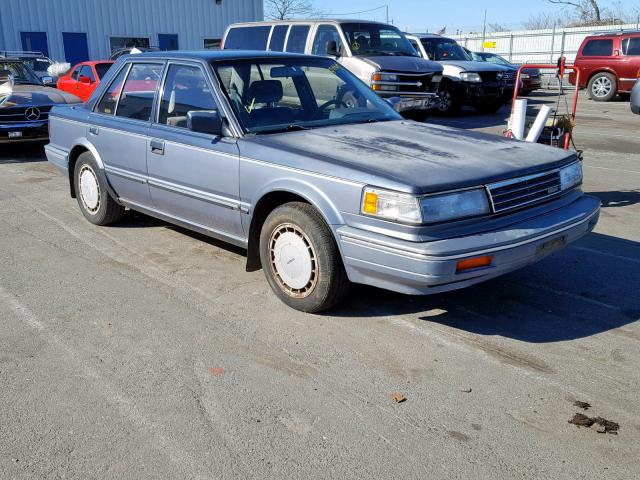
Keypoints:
(327, 282)
(97, 207)
(489, 107)
(602, 87)
(450, 102)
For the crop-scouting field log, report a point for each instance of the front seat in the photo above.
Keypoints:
(260, 104)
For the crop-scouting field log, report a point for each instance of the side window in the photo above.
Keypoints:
(87, 72)
(136, 99)
(632, 46)
(109, 99)
(247, 38)
(598, 48)
(277, 38)
(76, 72)
(297, 38)
(324, 35)
(428, 47)
(185, 90)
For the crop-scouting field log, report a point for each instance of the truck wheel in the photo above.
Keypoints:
(300, 258)
(449, 100)
(602, 87)
(95, 202)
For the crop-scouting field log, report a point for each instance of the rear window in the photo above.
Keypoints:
(631, 46)
(102, 68)
(247, 38)
(297, 38)
(277, 38)
(598, 48)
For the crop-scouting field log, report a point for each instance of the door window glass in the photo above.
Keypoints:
(76, 72)
(632, 46)
(324, 35)
(185, 90)
(136, 99)
(277, 38)
(247, 38)
(598, 48)
(297, 38)
(109, 100)
(86, 72)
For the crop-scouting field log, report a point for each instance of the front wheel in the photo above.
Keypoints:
(602, 87)
(450, 103)
(301, 260)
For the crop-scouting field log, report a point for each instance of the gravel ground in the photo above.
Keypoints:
(145, 351)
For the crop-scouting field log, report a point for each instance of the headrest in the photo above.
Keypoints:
(265, 91)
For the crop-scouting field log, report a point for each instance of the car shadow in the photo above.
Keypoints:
(22, 153)
(589, 288)
(621, 198)
(470, 119)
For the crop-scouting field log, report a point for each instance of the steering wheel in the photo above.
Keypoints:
(325, 105)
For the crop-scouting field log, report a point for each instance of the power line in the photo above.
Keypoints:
(386, 7)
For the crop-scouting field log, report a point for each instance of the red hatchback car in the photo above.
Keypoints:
(83, 78)
(609, 64)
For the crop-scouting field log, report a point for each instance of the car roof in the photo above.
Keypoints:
(305, 21)
(433, 35)
(214, 55)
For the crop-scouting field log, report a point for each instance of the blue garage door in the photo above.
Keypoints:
(168, 41)
(75, 47)
(35, 42)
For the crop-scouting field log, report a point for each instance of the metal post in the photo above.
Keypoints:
(510, 47)
(387, 8)
(484, 29)
(562, 43)
(553, 41)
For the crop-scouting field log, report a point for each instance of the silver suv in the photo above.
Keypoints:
(258, 149)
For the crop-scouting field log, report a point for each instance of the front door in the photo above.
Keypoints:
(192, 176)
(119, 129)
(76, 49)
(35, 42)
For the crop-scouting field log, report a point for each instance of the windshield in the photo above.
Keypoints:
(496, 59)
(38, 64)
(376, 39)
(281, 94)
(449, 50)
(20, 73)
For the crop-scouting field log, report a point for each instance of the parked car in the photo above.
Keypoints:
(482, 85)
(635, 98)
(83, 78)
(37, 61)
(377, 53)
(258, 149)
(530, 77)
(609, 63)
(25, 103)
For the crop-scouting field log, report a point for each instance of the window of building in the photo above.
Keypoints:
(324, 35)
(212, 43)
(598, 48)
(297, 38)
(102, 69)
(277, 38)
(116, 43)
(136, 99)
(247, 38)
(185, 90)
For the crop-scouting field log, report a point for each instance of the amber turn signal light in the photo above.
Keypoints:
(471, 263)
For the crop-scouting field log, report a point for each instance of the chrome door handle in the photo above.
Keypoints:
(157, 147)
(94, 130)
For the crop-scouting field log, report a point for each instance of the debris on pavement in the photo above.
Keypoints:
(582, 405)
(216, 371)
(398, 398)
(599, 424)
(466, 390)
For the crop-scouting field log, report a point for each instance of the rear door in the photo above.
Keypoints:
(630, 65)
(192, 176)
(120, 126)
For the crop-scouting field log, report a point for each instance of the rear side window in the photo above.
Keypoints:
(109, 100)
(631, 46)
(277, 38)
(598, 48)
(136, 99)
(297, 38)
(247, 38)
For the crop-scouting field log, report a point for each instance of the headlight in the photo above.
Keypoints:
(524, 76)
(394, 206)
(441, 208)
(571, 175)
(384, 77)
(470, 77)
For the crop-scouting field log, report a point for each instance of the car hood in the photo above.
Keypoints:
(25, 95)
(402, 64)
(472, 66)
(410, 156)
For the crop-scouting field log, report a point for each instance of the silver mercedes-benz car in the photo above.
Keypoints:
(256, 148)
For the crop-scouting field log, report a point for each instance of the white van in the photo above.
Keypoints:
(377, 53)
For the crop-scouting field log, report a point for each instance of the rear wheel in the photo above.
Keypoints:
(602, 87)
(301, 260)
(94, 200)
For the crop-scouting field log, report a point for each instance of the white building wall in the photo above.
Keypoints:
(192, 20)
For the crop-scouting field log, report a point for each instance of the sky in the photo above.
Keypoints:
(432, 15)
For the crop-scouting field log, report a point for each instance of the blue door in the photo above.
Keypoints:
(76, 49)
(168, 41)
(35, 42)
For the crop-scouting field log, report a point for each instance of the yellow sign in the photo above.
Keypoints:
(489, 44)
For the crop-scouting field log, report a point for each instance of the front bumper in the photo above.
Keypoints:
(474, 93)
(406, 103)
(29, 132)
(430, 267)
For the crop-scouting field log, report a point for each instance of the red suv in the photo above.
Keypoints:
(609, 64)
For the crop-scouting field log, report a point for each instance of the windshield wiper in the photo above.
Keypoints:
(288, 128)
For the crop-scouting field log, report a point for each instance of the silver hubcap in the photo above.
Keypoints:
(89, 189)
(601, 87)
(293, 260)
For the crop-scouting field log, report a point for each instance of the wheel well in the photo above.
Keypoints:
(600, 71)
(263, 208)
(73, 157)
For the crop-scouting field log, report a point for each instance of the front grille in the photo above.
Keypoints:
(17, 114)
(524, 191)
(509, 78)
(488, 76)
(425, 80)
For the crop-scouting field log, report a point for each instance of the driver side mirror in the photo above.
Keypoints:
(206, 121)
(332, 48)
(85, 80)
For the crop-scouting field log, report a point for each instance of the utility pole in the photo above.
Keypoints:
(484, 28)
(387, 8)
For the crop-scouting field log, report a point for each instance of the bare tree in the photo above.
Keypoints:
(497, 27)
(286, 9)
(587, 10)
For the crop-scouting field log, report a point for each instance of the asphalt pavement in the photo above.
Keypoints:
(142, 350)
